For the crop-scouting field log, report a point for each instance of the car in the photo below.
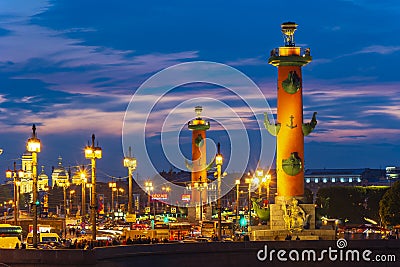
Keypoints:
(43, 239)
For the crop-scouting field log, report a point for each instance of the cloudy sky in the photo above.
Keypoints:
(72, 67)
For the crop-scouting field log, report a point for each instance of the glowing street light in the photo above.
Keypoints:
(121, 190)
(219, 161)
(65, 185)
(71, 192)
(93, 152)
(249, 181)
(200, 187)
(148, 185)
(112, 185)
(16, 175)
(130, 163)
(82, 175)
(33, 146)
(89, 185)
(237, 182)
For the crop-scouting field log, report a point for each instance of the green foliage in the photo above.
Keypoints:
(351, 203)
(389, 206)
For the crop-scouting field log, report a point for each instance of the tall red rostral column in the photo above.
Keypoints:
(198, 126)
(290, 129)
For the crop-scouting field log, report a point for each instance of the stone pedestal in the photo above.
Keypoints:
(276, 230)
(279, 235)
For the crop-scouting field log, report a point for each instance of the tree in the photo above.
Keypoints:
(353, 203)
(389, 206)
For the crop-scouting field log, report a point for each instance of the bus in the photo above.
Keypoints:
(177, 231)
(10, 236)
(210, 228)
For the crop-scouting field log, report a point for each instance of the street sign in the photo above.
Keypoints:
(130, 218)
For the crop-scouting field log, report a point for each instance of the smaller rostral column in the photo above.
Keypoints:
(290, 129)
(198, 168)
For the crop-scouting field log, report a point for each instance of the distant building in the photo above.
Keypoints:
(392, 173)
(43, 180)
(60, 175)
(314, 179)
(26, 181)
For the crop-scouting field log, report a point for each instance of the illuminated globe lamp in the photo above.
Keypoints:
(112, 186)
(83, 180)
(200, 187)
(93, 152)
(15, 175)
(33, 146)
(130, 163)
(9, 173)
(219, 161)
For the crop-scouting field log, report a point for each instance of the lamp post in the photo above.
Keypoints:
(88, 185)
(200, 187)
(82, 175)
(149, 187)
(130, 163)
(93, 152)
(249, 181)
(65, 185)
(166, 189)
(112, 185)
(259, 176)
(16, 175)
(18, 184)
(237, 182)
(218, 161)
(33, 146)
(120, 189)
(267, 182)
(71, 192)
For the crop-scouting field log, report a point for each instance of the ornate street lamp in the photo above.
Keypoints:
(65, 185)
(112, 185)
(249, 181)
(149, 188)
(33, 146)
(200, 187)
(219, 161)
(16, 175)
(130, 163)
(82, 175)
(237, 182)
(93, 152)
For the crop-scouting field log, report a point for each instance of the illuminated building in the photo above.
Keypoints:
(43, 180)
(26, 180)
(60, 175)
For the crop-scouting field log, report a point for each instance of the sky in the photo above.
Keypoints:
(72, 67)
